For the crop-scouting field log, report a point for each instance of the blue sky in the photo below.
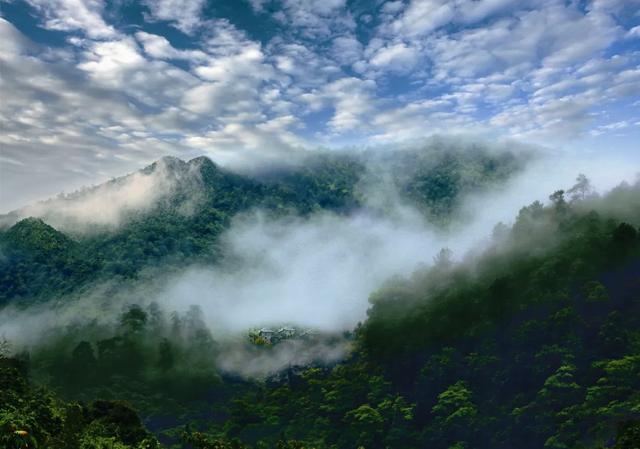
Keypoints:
(93, 88)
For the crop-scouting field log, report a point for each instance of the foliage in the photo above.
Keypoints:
(33, 417)
(39, 262)
(535, 343)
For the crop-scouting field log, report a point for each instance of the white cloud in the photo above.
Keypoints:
(258, 5)
(305, 67)
(562, 110)
(120, 65)
(72, 15)
(543, 68)
(410, 121)
(352, 100)
(614, 126)
(221, 68)
(634, 32)
(346, 49)
(12, 42)
(618, 7)
(552, 37)
(392, 7)
(312, 19)
(396, 57)
(110, 62)
(112, 97)
(183, 14)
(232, 84)
(422, 17)
(107, 109)
(160, 48)
(241, 145)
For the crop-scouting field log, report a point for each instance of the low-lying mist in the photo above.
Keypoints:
(313, 272)
(106, 206)
(318, 271)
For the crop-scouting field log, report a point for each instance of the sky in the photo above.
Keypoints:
(92, 89)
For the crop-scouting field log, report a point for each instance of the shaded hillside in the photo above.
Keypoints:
(533, 344)
(32, 417)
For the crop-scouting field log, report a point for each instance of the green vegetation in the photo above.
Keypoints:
(39, 263)
(534, 343)
(32, 417)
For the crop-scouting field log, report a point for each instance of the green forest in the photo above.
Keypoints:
(41, 262)
(532, 342)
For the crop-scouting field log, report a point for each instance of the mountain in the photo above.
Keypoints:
(532, 343)
(33, 234)
(173, 212)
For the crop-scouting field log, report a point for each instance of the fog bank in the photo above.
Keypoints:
(318, 272)
(315, 272)
(107, 205)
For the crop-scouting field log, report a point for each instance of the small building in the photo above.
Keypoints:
(269, 337)
(266, 334)
(286, 332)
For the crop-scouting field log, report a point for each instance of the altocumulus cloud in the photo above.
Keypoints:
(95, 89)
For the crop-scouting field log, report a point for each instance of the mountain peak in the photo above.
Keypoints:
(202, 161)
(171, 163)
(34, 233)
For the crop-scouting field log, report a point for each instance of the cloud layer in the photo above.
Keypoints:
(94, 89)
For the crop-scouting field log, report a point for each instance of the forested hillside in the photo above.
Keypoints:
(53, 254)
(531, 342)
(319, 224)
(32, 417)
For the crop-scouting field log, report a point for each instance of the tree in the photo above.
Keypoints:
(557, 198)
(134, 319)
(455, 414)
(166, 355)
(628, 435)
(624, 235)
(594, 292)
(367, 424)
(82, 365)
(581, 189)
(443, 259)
(500, 232)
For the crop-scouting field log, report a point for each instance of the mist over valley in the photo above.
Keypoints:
(292, 224)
